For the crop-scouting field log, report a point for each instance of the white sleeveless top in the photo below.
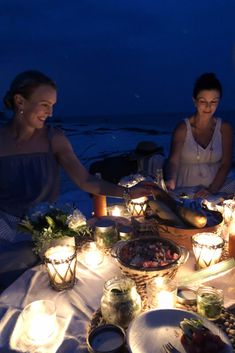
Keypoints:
(198, 165)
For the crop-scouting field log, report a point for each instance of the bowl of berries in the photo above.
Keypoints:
(147, 257)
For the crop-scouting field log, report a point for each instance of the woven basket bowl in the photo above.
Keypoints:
(183, 236)
(142, 276)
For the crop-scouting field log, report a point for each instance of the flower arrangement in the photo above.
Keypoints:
(48, 221)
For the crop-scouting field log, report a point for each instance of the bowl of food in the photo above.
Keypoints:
(147, 257)
(179, 223)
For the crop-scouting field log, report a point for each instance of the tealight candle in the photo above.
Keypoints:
(137, 207)
(39, 321)
(161, 293)
(116, 211)
(207, 248)
(61, 266)
(93, 257)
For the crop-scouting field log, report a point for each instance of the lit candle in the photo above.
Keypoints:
(228, 207)
(231, 228)
(39, 320)
(207, 248)
(165, 299)
(92, 255)
(137, 207)
(162, 293)
(116, 211)
(231, 239)
(61, 266)
(41, 327)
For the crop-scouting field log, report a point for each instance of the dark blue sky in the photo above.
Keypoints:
(120, 56)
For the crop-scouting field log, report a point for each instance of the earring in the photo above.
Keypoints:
(21, 112)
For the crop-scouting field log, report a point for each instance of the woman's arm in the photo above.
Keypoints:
(172, 166)
(226, 162)
(66, 157)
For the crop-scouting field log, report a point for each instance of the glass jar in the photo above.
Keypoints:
(106, 234)
(120, 302)
(161, 293)
(209, 302)
(125, 232)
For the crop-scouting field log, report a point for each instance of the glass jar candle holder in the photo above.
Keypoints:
(209, 302)
(106, 234)
(61, 263)
(162, 293)
(116, 210)
(137, 207)
(120, 302)
(228, 207)
(92, 255)
(39, 322)
(207, 249)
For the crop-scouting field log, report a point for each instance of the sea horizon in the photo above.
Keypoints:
(166, 120)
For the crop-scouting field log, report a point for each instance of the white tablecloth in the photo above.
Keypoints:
(76, 306)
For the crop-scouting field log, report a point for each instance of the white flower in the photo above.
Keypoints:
(76, 220)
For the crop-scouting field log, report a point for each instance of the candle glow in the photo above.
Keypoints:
(137, 207)
(162, 293)
(39, 320)
(231, 228)
(61, 266)
(93, 256)
(116, 211)
(207, 248)
(228, 209)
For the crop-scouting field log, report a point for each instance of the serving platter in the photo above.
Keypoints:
(159, 326)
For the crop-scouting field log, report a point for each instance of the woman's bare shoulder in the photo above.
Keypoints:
(226, 127)
(59, 140)
(180, 128)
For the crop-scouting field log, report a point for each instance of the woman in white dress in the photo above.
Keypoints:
(201, 147)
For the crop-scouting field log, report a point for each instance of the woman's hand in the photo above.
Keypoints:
(202, 193)
(144, 188)
(170, 184)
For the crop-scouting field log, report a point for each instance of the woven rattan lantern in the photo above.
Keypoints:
(61, 262)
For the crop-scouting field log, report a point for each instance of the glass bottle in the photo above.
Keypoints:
(160, 180)
(209, 302)
(120, 302)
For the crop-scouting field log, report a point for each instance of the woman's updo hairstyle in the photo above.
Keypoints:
(207, 81)
(25, 84)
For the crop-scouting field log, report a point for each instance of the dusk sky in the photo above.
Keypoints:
(120, 57)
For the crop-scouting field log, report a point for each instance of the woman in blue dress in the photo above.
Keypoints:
(31, 155)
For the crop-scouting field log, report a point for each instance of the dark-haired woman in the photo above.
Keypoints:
(201, 147)
(31, 154)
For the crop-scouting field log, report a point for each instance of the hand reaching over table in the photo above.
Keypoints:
(202, 193)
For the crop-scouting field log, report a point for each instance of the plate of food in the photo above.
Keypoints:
(185, 330)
